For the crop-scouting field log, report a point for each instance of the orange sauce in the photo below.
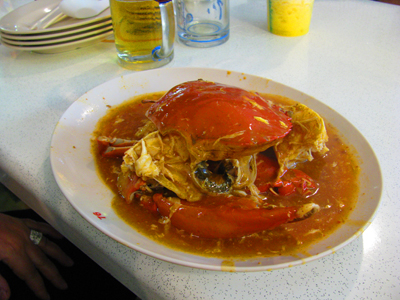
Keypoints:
(336, 174)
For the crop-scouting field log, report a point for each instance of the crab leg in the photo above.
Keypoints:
(290, 182)
(113, 147)
(296, 181)
(228, 221)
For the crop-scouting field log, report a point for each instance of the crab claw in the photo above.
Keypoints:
(228, 217)
(128, 186)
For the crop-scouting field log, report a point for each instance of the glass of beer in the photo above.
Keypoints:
(144, 32)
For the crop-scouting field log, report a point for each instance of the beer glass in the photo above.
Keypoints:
(144, 32)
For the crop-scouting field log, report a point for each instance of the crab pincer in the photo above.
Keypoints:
(228, 218)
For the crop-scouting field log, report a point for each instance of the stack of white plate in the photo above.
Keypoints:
(66, 35)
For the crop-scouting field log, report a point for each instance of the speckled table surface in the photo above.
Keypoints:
(349, 60)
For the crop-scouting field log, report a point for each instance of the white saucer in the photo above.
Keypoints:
(61, 47)
(67, 38)
(57, 35)
(20, 20)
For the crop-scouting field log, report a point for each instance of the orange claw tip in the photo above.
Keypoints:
(223, 221)
(306, 211)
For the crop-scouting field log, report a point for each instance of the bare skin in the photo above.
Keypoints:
(28, 261)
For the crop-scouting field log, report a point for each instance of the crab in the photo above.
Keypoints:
(202, 161)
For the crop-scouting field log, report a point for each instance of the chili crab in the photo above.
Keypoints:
(209, 153)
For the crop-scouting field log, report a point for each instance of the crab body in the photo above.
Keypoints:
(219, 121)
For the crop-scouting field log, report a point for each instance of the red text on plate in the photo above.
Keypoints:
(99, 215)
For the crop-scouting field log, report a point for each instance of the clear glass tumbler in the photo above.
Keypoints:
(202, 23)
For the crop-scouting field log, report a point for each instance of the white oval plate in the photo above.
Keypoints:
(21, 19)
(74, 168)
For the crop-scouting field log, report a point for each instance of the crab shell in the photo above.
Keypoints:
(219, 121)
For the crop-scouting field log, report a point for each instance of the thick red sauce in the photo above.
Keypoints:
(336, 174)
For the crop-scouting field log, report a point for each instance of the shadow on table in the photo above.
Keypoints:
(86, 279)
